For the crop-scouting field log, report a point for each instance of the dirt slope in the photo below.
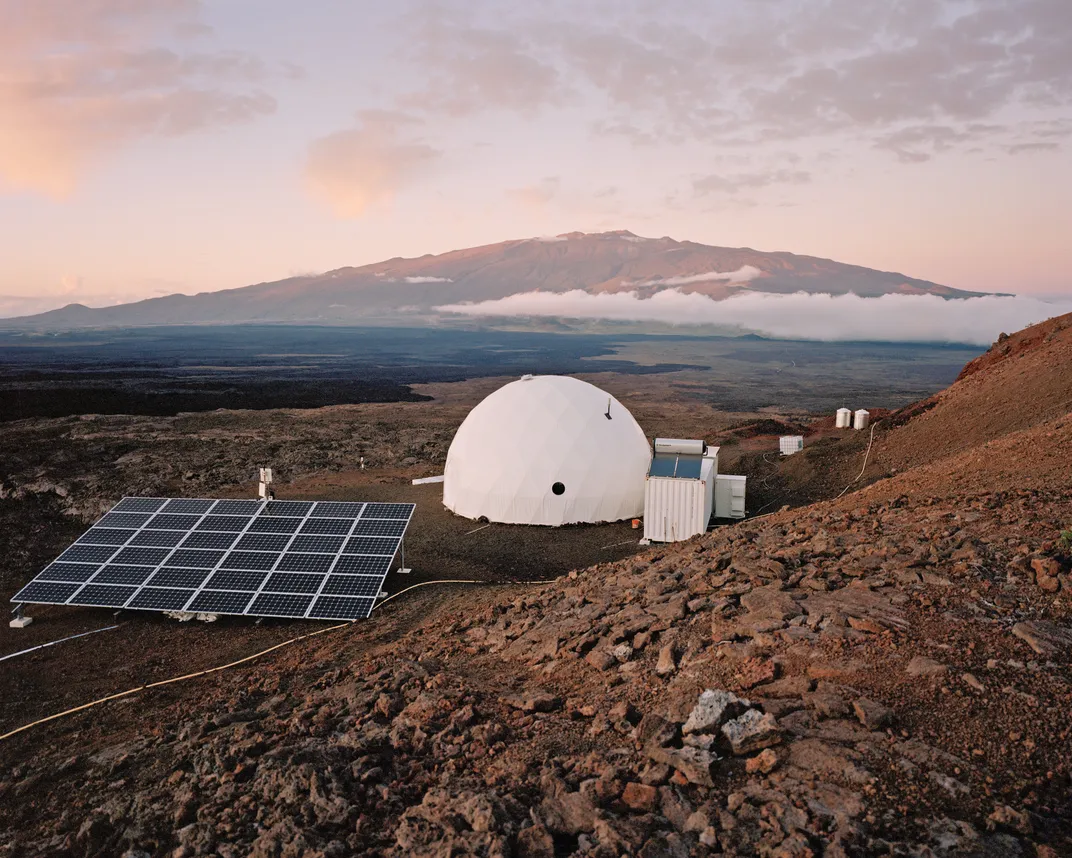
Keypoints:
(1023, 380)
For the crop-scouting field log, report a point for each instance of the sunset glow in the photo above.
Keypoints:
(180, 146)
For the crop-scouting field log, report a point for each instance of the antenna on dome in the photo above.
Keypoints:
(607, 415)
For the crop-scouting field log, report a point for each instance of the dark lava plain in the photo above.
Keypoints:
(170, 370)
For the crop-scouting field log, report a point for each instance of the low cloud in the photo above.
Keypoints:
(357, 168)
(536, 196)
(890, 318)
(427, 280)
(732, 184)
(741, 275)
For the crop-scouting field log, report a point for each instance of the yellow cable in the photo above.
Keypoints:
(462, 581)
(426, 583)
(870, 441)
(130, 691)
(174, 679)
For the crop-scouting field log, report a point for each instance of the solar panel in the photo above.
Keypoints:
(308, 559)
(69, 572)
(105, 536)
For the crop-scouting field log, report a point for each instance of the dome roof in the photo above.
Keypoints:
(543, 451)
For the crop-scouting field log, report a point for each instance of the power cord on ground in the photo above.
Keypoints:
(248, 658)
(53, 643)
(870, 441)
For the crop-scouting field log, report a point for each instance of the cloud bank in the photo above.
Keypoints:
(833, 318)
(741, 275)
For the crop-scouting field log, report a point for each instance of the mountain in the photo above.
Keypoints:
(597, 263)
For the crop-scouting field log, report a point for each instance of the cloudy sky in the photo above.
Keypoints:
(155, 146)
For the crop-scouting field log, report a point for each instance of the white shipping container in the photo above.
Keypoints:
(730, 495)
(676, 508)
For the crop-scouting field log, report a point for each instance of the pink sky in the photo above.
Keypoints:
(172, 145)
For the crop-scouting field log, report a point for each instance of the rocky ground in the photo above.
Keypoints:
(889, 673)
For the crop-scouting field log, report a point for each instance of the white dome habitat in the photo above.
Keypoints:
(543, 450)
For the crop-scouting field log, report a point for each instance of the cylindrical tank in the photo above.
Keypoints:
(860, 418)
(843, 419)
(681, 446)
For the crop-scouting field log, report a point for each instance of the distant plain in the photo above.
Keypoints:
(168, 370)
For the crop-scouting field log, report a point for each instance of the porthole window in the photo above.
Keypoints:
(558, 488)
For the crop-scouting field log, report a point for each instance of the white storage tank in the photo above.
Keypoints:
(860, 419)
(679, 493)
(843, 419)
(790, 444)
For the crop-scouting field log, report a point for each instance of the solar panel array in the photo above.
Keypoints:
(310, 559)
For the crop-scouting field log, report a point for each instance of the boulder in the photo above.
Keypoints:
(764, 762)
(533, 701)
(1047, 639)
(714, 708)
(640, 797)
(923, 666)
(751, 731)
(667, 663)
(872, 715)
(568, 813)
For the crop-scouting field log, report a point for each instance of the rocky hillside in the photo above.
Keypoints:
(1021, 381)
(885, 674)
(602, 262)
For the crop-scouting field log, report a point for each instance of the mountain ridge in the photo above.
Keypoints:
(597, 263)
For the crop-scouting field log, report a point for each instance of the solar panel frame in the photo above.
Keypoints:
(140, 555)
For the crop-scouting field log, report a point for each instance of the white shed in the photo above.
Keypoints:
(679, 493)
(860, 419)
(843, 418)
